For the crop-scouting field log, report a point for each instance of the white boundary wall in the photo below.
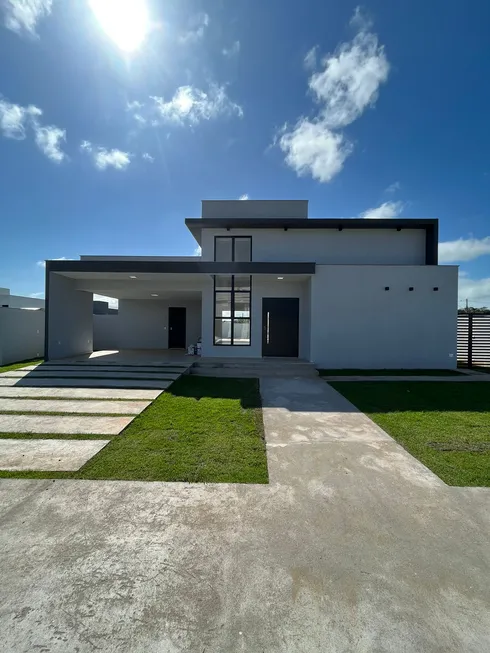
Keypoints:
(21, 334)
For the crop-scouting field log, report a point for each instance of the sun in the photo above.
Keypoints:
(126, 22)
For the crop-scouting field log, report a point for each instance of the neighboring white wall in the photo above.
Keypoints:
(350, 246)
(143, 324)
(262, 286)
(357, 324)
(21, 335)
(70, 329)
(18, 301)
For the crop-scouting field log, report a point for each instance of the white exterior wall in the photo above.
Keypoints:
(70, 328)
(357, 324)
(18, 301)
(143, 324)
(262, 286)
(350, 246)
(21, 335)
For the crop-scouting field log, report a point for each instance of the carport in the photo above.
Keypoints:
(158, 311)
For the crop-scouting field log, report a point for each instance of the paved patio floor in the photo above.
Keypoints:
(353, 547)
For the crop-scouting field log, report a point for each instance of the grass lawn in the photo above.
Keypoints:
(16, 366)
(390, 372)
(200, 430)
(445, 425)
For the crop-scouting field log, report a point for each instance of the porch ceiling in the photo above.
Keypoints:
(144, 286)
(122, 285)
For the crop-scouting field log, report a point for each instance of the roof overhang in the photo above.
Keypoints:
(179, 267)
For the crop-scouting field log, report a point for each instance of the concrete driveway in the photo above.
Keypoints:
(353, 547)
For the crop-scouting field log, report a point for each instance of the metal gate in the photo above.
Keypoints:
(474, 339)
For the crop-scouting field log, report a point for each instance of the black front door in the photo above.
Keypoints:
(280, 326)
(176, 327)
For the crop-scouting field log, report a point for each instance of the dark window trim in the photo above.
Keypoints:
(232, 311)
(233, 238)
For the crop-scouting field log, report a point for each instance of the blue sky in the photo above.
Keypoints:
(115, 124)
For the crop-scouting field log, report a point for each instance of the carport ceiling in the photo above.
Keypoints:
(166, 286)
(144, 286)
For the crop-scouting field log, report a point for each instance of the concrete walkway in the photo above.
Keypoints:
(466, 378)
(354, 547)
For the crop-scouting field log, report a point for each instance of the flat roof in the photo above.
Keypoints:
(181, 267)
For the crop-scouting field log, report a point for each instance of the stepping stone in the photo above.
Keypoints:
(83, 383)
(66, 406)
(47, 455)
(19, 374)
(46, 367)
(67, 424)
(79, 393)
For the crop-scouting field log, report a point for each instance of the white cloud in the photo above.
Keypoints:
(310, 59)
(476, 291)
(104, 158)
(37, 295)
(393, 188)
(23, 15)
(463, 249)
(348, 84)
(385, 210)
(350, 80)
(198, 25)
(312, 148)
(15, 120)
(42, 264)
(48, 140)
(191, 105)
(244, 197)
(147, 157)
(137, 108)
(198, 251)
(233, 50)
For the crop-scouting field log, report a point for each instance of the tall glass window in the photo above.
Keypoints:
(232, 293)
(232, 297)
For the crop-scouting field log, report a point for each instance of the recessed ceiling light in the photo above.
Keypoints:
(131, 276)
(280, 278)
(154, 294)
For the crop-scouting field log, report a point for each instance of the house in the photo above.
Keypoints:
(270, 282)
(18, 301)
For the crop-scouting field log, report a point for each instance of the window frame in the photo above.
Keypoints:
(233, 239)
(232, 317)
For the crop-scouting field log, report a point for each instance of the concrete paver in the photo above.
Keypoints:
(47, 455)
(29, 382)
(84, 374)
(352, 547)
(67, 424)
(104, 368)
(79, 393)
(66, 406)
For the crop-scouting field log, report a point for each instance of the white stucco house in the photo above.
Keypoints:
(341, 293)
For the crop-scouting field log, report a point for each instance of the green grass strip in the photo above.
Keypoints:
(201, 429)
(445, 425)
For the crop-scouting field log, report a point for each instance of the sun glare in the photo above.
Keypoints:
(124, 21)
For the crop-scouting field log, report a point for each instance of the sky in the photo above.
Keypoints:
(117, 117)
